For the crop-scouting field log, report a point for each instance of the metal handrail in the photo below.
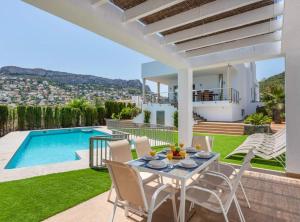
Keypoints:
(158, 134)
(199, 95)
(99, 152)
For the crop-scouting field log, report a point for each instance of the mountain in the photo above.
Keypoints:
(278, 79)
(66, 78)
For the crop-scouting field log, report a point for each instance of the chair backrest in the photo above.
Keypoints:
(128, 184)
(206, 142)
(120, 151)
(235, 182)
(279, 132)
(142, 146)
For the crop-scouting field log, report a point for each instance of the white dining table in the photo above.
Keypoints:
(180, 174)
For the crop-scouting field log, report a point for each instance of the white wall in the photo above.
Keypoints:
(153, 108)
(218, 111)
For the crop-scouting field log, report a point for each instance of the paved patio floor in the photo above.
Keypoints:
(273, 198)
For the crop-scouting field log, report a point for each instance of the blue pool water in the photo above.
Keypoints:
(52, 146)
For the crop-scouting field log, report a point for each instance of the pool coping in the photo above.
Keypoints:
(10, 143)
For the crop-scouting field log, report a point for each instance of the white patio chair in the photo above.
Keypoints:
(229, 171)
(218, 198)
(120, 151)
(206, 142)
(142, 146)
(136, 196)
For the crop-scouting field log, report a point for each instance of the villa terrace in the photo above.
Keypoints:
(188, 36)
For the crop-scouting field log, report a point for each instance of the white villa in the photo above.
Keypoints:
(226, 93)
(209, 49)
(197, 35)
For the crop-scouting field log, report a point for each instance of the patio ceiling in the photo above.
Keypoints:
(182, 33)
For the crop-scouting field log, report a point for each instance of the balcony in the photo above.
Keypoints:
(204, 96)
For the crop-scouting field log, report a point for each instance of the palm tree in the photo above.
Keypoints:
(274, 99)
(80, 104)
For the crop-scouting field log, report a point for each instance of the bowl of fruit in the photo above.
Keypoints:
(178, 152)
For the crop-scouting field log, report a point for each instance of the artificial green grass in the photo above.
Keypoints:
(38, 198)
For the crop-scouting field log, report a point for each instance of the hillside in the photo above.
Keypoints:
(273, 80)
(71, 78)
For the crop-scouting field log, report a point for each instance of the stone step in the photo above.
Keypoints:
(226, 132)
(219, 128)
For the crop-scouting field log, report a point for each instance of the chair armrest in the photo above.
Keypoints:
(207, 191)
(220, 175)
(157, 192)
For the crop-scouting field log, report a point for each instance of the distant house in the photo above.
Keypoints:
(227, 93)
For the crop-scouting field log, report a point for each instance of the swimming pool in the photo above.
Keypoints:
(51, 146)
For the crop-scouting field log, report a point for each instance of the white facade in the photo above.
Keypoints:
(264, 32)
(224, 82)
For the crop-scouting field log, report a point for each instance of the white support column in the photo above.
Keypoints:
(144, 91)
(158, 92)
(228, 82)
(185, 106)
(291, 47)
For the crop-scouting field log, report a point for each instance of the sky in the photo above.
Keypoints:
(32, 38)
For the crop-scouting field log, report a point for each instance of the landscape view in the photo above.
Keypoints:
(149, 111)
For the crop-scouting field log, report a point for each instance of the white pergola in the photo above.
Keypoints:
(190, 35)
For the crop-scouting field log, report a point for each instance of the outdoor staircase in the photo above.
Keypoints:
(219, 128)
(198, 117)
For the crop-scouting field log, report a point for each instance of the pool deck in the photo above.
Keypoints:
(273, 199)
(11, 142)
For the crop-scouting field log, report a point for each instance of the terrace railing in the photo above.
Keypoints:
(158, 135)
(99, 150)
(203, 95)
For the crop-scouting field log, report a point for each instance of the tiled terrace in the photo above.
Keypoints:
(273, 198)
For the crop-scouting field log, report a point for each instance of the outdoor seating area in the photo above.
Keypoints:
(192, 174)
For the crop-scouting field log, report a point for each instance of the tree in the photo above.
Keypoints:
(66, 116)
(30, 117)
(80, 104)
(274, 99)
(57, 122)
(48, 118)
(21, 117)
(147, 115)
(3, 117)
(101, 115)
(37, 117)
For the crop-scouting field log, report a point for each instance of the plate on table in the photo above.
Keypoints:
(149, 157)
(188, 163)
(157, 164)
(191, 150)
(203, 154)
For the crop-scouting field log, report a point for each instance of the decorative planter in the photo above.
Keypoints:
(251, 129)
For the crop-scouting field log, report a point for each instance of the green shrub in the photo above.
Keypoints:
(258, 119)
(147, 115)
(113, 107)
(90, 116)
(48, 117)
(37, 110)
(30, 117)
(57, 122)
(3, 117)
(175, 119)
(21, 117)
(66, 117)
(126, 113)
(101, 115)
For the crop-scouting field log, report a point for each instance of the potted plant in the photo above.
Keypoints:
(257, 123)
